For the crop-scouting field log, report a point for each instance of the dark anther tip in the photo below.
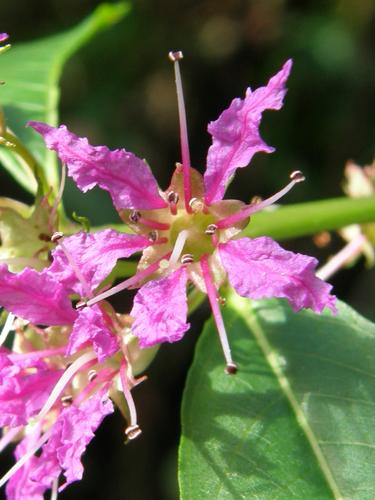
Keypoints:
(231, 369)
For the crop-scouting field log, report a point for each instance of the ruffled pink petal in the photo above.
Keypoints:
(95, 254)
(35, 297)
(22, 393)
(235, 134)
(160, 310)
(90, 327)
(260, 268)
(3, 37)
(127, 178)
(20, 486)
(71, 434)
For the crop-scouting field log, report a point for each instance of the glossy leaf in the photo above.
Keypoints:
(297, 421)
(32, 71)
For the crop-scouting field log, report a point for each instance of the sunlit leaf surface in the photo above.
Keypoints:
(297, 421)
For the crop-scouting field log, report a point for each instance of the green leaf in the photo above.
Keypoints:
(296, 421)
(32, 71)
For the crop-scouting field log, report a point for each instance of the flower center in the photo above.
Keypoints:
(197, 242)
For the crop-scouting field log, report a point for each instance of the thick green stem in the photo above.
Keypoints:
(304, 219)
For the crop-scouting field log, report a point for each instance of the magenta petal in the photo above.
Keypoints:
(90, 327)
(235, 134)
(22, 394)
(127, 178)
(160, 310)
(71, 434)
(3, 37)
(35, 297)
(20, 486)
(95, 254)
(260, 268)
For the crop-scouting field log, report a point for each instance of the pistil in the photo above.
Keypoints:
(296, 177)
(175, 57)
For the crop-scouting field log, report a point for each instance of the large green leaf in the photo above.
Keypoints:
(297, 421)
(32, 71)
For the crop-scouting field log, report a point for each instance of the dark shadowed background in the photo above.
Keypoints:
(119, 91)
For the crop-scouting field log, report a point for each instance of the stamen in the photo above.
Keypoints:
(127, 283)
(63, 381)
(175, 57)
(173, 198)
(8, 327)
(178, 247)
(187, 258)
(196, 204)
(92, 375)
(211, 229)
(133, 430)
(66, 400)
(57, 236)
(153, 235)
(349, 251)
(134, 216)
(26, 457)
(212, 297)
(296, 177)
(105, 377)
(154, 224)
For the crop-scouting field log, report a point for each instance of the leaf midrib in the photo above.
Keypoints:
(249, 317)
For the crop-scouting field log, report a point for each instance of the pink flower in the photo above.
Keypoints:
(57, 383)
(195, 233)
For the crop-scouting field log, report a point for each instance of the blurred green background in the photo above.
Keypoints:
(119, 91)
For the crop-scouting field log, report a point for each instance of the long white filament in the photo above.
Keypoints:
(185, 154)
(21, 462)
(8, 326)
(63, 381)
(55, 489)
(178, 247)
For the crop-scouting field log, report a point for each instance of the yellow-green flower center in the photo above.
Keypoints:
(198, 242)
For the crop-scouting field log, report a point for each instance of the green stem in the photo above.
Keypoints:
(305, 219)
